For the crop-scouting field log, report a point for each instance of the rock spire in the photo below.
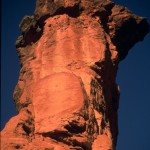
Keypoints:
(66, 96)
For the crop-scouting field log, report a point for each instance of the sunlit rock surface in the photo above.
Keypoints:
(66, 95)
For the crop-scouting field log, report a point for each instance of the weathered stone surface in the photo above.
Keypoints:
(66, 95)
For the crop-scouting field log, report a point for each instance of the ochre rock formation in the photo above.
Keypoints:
(66, 95)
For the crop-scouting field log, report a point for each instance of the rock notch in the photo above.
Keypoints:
(66, 96)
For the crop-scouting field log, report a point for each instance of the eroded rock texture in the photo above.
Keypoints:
(66, 95)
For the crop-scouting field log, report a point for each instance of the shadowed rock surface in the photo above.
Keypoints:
(66, 95)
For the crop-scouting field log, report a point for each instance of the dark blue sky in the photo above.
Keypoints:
(133, 75)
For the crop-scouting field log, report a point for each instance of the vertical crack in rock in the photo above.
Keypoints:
(66, 96)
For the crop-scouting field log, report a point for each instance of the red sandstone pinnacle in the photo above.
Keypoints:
(66, 95)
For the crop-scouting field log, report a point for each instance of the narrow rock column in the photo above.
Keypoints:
(67, 96)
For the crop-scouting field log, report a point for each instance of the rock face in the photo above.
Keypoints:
(66, 95)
